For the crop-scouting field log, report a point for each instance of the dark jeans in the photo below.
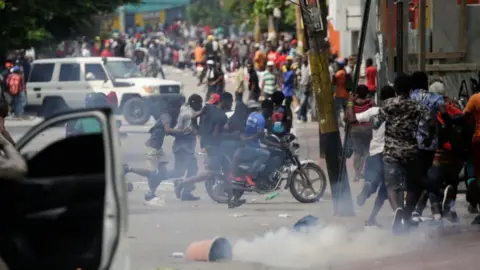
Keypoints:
(258, 155)
(185, 162)
(306, 93)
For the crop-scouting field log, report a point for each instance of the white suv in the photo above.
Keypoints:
(64, 82)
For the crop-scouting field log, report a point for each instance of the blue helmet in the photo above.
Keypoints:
(96, 100)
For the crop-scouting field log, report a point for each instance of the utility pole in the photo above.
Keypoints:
(390, 38)
(400, 36)
(422, 34)
(314, 14)
(299, 28)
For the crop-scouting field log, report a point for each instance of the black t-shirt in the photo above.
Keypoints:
(212, 116)
(238, 119)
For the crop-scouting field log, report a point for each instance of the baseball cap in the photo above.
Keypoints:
(210, 62)
(269, 63)
(251, 104)
(214, 99)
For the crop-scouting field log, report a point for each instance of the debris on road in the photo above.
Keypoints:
(237, 215)
(271, 196)
(218, 249)
(177, 255)
(305, 223)
(284, 215)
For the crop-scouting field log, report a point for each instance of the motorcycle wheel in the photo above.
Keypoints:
(298, 194)
(216, 189)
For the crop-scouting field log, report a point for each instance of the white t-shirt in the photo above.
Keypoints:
(378, 135)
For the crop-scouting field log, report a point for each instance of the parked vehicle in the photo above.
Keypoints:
(281, 168)
(58, 84)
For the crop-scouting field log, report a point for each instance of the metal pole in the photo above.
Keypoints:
(422, 34)
(314, 14)
(299, 28)
(121, 19)
(356, 77)
(390, 37)
(400, 68)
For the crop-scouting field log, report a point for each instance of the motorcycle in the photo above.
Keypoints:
(283, 166)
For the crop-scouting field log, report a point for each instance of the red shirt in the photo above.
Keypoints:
(281, 58)
(371, 76)
(106, 53)
(272, 56)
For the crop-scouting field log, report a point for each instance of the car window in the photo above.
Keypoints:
(69, 73)
(41, 72)
(95, 72)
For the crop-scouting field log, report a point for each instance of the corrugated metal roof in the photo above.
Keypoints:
(155, 5)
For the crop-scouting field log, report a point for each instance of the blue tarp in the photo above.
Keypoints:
(155, 5)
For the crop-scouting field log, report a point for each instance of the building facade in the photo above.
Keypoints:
(345, 23)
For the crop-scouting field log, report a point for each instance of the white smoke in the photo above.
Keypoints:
(331, 245)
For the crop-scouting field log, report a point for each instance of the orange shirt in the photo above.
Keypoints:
(199, 54)
(340, 78)
(473, 107)
(259, 60)
(371, 76)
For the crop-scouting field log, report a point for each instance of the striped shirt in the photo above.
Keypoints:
(270, 83)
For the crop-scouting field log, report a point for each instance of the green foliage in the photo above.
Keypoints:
(207, 12)
(26, 23)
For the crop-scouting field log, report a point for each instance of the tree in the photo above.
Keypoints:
(29, 23)
(207, 12)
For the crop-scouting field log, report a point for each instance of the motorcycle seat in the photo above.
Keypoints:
(246, 167)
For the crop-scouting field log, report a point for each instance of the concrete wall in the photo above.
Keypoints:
(344, 16)
(445, 23)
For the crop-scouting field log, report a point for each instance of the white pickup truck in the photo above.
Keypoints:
(59, 83)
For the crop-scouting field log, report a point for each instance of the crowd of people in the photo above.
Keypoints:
(412, 148)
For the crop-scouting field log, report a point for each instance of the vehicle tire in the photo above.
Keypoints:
(52, 106)
(136, 111)
(318, 194)
(216, 191)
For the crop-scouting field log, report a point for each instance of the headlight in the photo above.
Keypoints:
(148, 89)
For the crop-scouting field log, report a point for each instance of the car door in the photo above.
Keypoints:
(40, 81)
(70, 210)
(72, 86)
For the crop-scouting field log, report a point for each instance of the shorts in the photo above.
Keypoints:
(401, 176)
(154, 157)
(375, 175)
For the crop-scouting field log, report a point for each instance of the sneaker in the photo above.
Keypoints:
(448, 194)
(187, 196)
(472, 209)
(372, 223)
(476, 220)
(234, 203)
(156, 202)
(452, 217)
(416, 217)
(436, 222)
(397, 222)
(363, 196)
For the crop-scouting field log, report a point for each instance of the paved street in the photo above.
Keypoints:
(255, 230)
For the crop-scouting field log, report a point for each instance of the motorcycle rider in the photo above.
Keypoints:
(252, 137)
(154, 62)
(215, 79)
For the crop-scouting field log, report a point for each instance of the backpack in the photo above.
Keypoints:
(458, 137)
(14, 84)
(278, 122)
